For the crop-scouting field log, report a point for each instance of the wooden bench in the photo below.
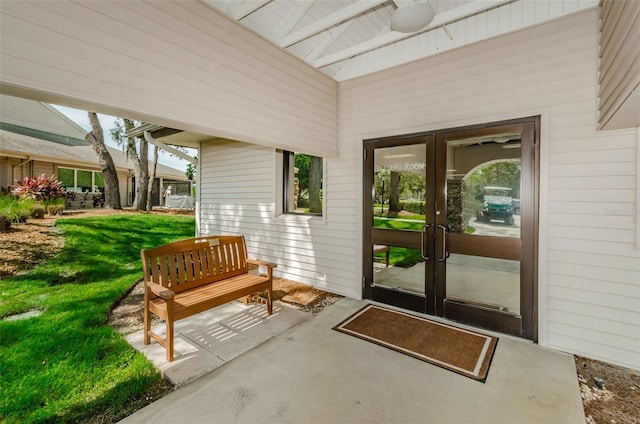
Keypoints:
(190, 276)
(381, 248)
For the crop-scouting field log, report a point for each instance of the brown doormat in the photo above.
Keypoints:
(462, 351)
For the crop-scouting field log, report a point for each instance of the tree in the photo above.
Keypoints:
(152, 178)
(394, 192)
(138, 152)
(190, 172)
(303, 163)
(315, 185)
(111, 186)
(415, 184)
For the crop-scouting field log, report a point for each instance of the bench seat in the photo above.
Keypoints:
(189, 302)
(189, 276)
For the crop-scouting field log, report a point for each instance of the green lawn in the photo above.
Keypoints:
(400, 256)
(68, 364)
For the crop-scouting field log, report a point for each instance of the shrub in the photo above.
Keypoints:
(42, 189)
(13, 209)
(38, 211)
(55, 209)
(98, 200)
(413, 207)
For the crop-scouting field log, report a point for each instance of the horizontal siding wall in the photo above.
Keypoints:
(620, 60)
(175, 63)
(589, 282)
(237, 196)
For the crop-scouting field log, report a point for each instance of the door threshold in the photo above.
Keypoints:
(470, 302)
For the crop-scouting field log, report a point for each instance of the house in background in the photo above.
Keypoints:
(36, 138)
(551, 85)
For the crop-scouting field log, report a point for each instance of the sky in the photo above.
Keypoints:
(81, 118)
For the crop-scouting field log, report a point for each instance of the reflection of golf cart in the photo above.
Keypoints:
(498, 205)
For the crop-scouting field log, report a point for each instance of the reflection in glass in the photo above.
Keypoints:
(486, 282)
(405, 271)
(483, 186)
(399, 187)
(399, 195)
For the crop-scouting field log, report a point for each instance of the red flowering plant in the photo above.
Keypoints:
(43, 189)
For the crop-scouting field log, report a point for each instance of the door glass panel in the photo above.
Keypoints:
(406, 272)
(483, 192)
(486, 282)
(399, 187)
(483, 185)
(399, 194)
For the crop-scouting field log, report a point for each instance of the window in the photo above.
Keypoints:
(302, 183)
(67, 177)
(80, 180)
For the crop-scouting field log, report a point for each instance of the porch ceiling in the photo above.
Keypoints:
(349, 38)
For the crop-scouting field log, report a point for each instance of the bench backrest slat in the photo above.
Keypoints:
(193, 262)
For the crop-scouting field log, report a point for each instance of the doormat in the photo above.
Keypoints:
(456, 349)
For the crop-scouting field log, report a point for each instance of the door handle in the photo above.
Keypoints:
(445, 254)
(422, 234)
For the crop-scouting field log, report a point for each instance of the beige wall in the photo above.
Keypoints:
(178, 64)
(589, 266)
(619, 78)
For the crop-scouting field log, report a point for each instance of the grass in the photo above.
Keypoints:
(400, 256)
(68, 364)
(14, 209)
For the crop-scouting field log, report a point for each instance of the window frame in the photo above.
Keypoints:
(75, 178)
(282, 185)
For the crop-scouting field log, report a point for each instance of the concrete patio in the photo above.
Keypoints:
(296, 369)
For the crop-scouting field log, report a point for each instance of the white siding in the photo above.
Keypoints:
(237, 196)
(178, 64)
(619, 65)
(589, 282)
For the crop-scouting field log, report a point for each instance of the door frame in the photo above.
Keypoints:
(527, 325)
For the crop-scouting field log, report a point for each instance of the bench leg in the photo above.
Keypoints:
(147, 324)
(246, 300)
(269, 302)
(169, 339)
(387, 258)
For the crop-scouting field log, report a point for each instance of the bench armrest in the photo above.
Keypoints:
(160, 291)
(261, 263)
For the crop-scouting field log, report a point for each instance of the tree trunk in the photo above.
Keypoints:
(152, 178)
(109, 174)
(141, 165)
(394, 192)
(315, 185)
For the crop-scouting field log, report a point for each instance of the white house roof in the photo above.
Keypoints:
(348, 38)
(38, 116)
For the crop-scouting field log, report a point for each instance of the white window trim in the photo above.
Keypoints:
(292, 218)
(75, 177)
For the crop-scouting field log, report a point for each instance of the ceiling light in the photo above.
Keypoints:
(412, 17)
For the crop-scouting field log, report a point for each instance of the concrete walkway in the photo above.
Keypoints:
(312, 374)
(207, 340)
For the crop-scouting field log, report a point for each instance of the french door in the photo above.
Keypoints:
(450, 224)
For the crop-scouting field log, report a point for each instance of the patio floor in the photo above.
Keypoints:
(296, 369)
